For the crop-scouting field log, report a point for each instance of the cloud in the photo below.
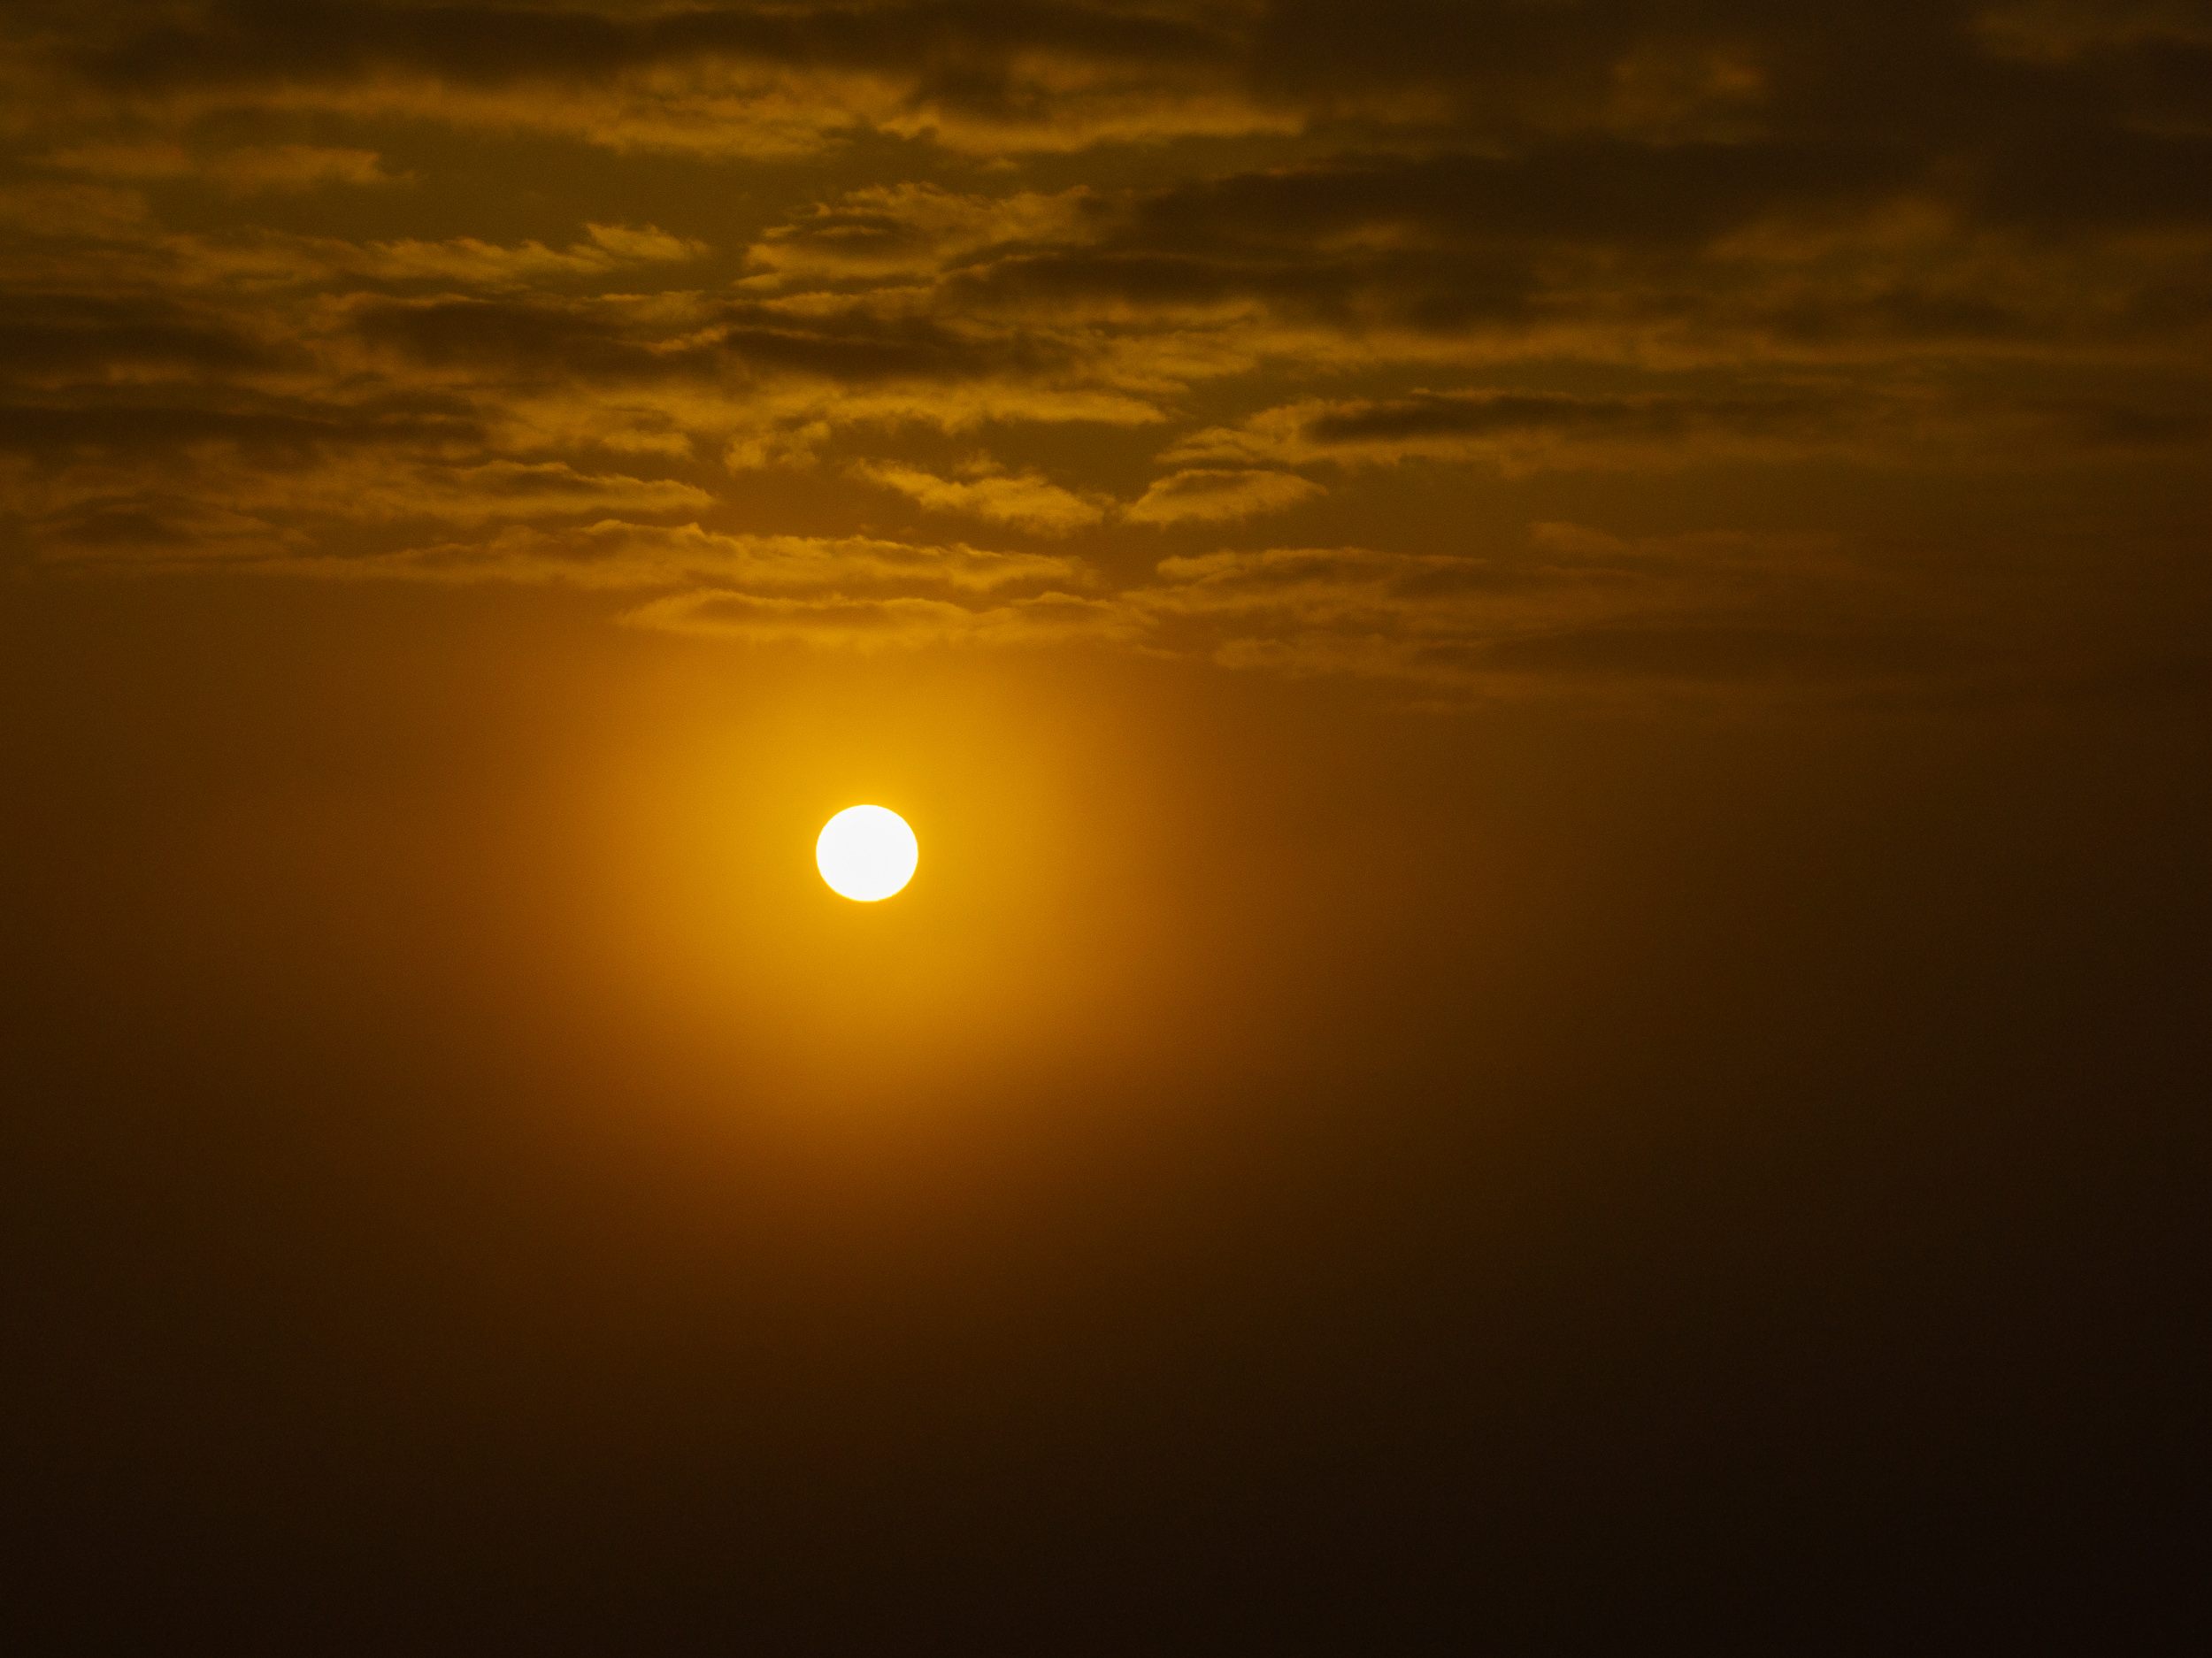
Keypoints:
(907, 230)
(1024, 498)
(1522, 432)
(1213, 495)
(615, 554)
(1866, 422)
(154, 529)
(1350, 589)
(59, 340)
(516, 489)
(619, 337)
(241, 170)
(729, 80)
(476, 263)
(896, 623)
(151, 514)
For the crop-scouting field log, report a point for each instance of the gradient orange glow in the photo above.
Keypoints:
(1552, 657)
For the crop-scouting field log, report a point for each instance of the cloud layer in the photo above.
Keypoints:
(1089, 319)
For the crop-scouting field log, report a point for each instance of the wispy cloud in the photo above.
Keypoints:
(868, 624)
(1212, 495)
(1023, 498)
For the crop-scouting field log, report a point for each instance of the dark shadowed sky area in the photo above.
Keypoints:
(1550, 660)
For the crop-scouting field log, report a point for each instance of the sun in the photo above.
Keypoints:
(866, 853)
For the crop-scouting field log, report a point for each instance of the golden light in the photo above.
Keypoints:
(866, 853)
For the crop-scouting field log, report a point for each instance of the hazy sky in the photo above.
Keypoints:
(1549, 657)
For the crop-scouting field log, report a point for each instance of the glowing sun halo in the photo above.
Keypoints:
(866, 853)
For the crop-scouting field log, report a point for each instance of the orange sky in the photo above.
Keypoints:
(1549, 657)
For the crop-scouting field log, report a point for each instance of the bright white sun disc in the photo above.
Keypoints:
(866, 853)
